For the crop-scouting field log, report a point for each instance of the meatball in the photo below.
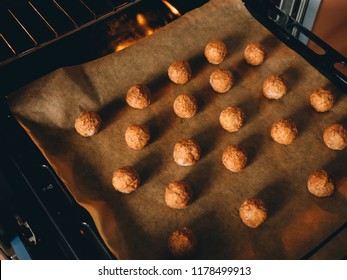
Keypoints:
(126, 179)
(182, 243)
(138, 96)
(234, 158)
(137, 136)
(322, 100)
(319, 184)
(335, 137)
(254, 54)
(186, 152)
(231, 118)
(253, 212)
(180, 72)
(284, 132)
(178, 195)
(221, 80)
(274, 87)
(88, 123)
(185, 106)
(215, 52)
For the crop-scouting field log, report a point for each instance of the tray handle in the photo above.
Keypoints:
(279, 23)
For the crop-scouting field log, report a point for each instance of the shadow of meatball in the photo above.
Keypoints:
(253, 146)
(157, 87)
(301, 118)
(291, 76)
(335, 90)
(337, 170)
(270, 44)
(282, 190)
(208, 137)
(213, 243)
(200, 179)
(160, 124)
(250, 108)
(197, 64)
(148, 166)
(111, 111)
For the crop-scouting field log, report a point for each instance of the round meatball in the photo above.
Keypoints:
(319, 184)
(137, 136)
(284, 132)
(185, 106)
(231, 118)
(88, 123)
(221, 80)
(215, 52)
(178, 195)
(274, 87)
(335, 137)
(126, 179)
(254, 54)
(182, 243)
(180, 72)
(186, 152)
(253, 212)
(138, 96)
(322, 100)
(234, 158)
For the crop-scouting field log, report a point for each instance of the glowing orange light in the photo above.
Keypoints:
(172, 8)
(141, 19)
(124, 45)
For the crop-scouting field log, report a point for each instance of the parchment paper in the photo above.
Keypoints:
(137, 225)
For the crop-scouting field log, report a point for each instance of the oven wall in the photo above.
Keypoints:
(331, 24)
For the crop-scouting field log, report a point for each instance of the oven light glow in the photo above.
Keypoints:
(124, 45)
(141, 20)
(172, 8)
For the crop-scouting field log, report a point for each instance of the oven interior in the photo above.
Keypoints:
(37, 37)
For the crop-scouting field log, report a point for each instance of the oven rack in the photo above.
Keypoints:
(26, 25)
(57, 226)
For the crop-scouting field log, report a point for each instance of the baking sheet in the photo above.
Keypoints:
(137, 225)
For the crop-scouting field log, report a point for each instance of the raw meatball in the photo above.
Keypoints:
(182, 243)
(335, 137)
(253, 212)
(234, 158)
(126, 179)
(284, 132)
(179, 72)
(215, 52)
(319, 184)
(178, 195)
(231, 118)
(185, 106)
(186, 152)
(254, 54)
(139, 96)
(322, 100)
(274, 87)
(137, 136)
(221, 80)
(88, 123)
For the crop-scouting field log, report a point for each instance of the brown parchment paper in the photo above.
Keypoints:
(137, 225)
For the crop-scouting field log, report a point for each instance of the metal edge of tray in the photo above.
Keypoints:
(279, 24)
